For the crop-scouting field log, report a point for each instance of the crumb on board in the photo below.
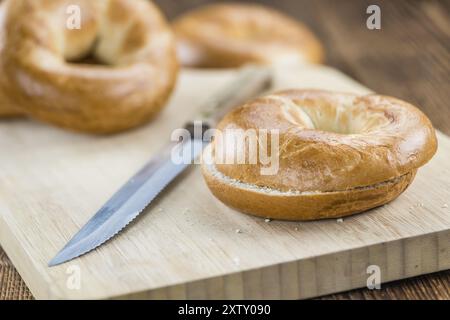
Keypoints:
(445, 205)
(340, 220)
(267, 220)
(417, 205)
(238, 231)
(296, 228)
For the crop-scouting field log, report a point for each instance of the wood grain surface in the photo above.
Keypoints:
(408, 58)
(186, 246)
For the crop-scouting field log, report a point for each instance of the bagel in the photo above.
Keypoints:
(7, 108)
(232, 34)
(130, 42)
(339, 154)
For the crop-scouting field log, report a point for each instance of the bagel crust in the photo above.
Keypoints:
(7, 108)
(232, 34)
(339, 154)
(130, 39)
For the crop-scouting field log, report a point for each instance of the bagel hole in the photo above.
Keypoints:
(312, 117)
(338, 124)
(89, 57)
(344, 117)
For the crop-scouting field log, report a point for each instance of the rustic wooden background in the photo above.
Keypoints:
(408, 58)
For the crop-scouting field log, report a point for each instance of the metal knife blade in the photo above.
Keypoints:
(130, 200)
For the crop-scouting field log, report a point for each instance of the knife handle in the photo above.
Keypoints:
(250, 82)
(197, 129)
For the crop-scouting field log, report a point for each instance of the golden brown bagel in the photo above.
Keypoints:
(130, 38)
(7, 108)
(232, 34)
(339, 154)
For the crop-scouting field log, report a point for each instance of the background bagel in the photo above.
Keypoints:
(232, 34)
(339, 154)
(7, 108)
(129, 38)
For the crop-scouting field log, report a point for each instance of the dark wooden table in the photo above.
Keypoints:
(408, 58)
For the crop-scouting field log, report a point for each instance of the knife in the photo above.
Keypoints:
(137, 194)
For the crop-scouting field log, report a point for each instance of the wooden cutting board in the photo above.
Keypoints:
(186, 245)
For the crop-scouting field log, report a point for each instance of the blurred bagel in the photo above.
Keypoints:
(130, 40)
(339, 154)
(232, 34)
(7, 108)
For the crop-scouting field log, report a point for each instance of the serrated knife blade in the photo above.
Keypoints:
(132, 198)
